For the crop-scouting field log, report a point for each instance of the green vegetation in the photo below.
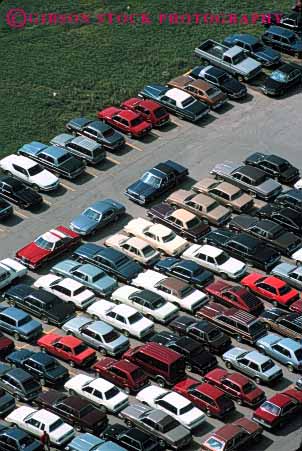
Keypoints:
(50, 74)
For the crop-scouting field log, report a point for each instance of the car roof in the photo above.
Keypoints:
(211, 251)
(90, 269)
(215, 71)
(100, 327)
(295, 193)
(203, 199)
(176, 399)
(290, 344)
(70, 341)
(101, 206)
(25, 162)
(70, 283)
(281, 31)
(20, 374)
(160, 230)
(45, 416)
(256, 357)
(101, 383)
(177, 94)
(138, 243)
(148, 295)
(183, 215)
(174, 284)
(248, 38)
(87, 143)
(275, 281)
(251, 171)
(15, 313)
(125, 310)
(228, 188)
(75, 402)
(55, 151)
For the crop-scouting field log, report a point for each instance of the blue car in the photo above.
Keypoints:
(110, 260)
(96, 216)
(6, 209)
(19, 324)
(15, 439)
(89, 442)
(285, 350)
(7, 403)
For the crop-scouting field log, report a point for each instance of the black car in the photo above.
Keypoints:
(42, 366)
(220, 78)
(76, 411)
(19, 383)
(245, 247)
(15, 439)
(273, 234)
(40, 303)
(283, 39)
(197, 359)
(97, 130)
(291, 198)
(156, 181)
(186, 270)
(288, 217)
(6, 209)
(16, 192)
(275, 166)
(209, 336)
(292, 20)
(131, 438)
(282, 80)
(110, 260)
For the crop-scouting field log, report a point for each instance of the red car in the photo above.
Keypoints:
(211, 400)
(237, 386)
(235, 296)
(6, 345)
(67, 348)
(124, 374)
(296, 306)
(47, 246)
(149, 110)
(271, 288)
(277, 410)
(126, 121)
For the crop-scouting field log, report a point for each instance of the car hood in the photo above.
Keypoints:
(44, 179)
(57, 372)
(248, 65)
(33, 252)
(269, 187)
(232, 266)
(83, 223)
(283, 269)
(233, 85)
(141, 188)
(268, 54)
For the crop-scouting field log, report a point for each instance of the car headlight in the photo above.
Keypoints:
(142, 197)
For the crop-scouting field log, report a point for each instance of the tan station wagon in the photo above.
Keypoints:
(227, 194)
(199, 89)
(202, 205)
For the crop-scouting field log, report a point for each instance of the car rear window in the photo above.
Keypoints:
(108, 132)
(31, 384)
(64, 158)
(257, 328)
(188, 102)
(136, 121)
(138, 373)
(298, 354)
(80, 348)
(267, 365)
(135, 317)
(247, 388)
(159, 112)
(34, 170)
(111, 393)
(56, 425)
(111, 336)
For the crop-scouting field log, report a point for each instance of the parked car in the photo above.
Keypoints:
(47, 246)
(291, 198)
(156, 181)
(18, 193)
(221, 79)
(98, 391)
(92, 277)
(11, 271)
(6, 209)
(134, 247)
(14, 439)
(284, 350)
(126, 375)
(43, 367)
(150, 304)
(82, 415)
(88, 442)
(274, 165)
(297, 256)
(202, 205)
(176, 101)
(55, 159)
(173, 404)
(235, 296)
(252, 363)
(211, 400)
(183, 222)
(126, 121)
(123, 317)
(291, 20)
(40, 303)
(287, 324)
(216, 260)
(19, 324)
(81, 147)
(199, 89)
(299, 384)
(290, 273)
(287, 217)
(99, 131)
(171, 289)
(253, 180)
(29, 172)
(225, 193)
(115, 263)
(158, 424)
(35, 421)
(20, 384)
(132, 439)
(6, 346)
(96, 216)
(237, 386)
(282, 39)
(71, 349)
(7, 403)
(149, 110)
(271, 288)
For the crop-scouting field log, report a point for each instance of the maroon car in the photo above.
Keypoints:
(149, 110)
(237, 386)
(6, 345)
(213, 401)
(235, 296)
(122, 373)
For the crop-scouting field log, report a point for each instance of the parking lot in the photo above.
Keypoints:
(256, 124)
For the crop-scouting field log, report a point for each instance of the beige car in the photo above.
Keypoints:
(202, 205)
(227, 194)
(135, 248)
(159, 236)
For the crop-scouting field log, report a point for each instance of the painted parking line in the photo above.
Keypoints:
(3, 230)
(68, 187)
(47, 202)
(21, 346)
(21, 214)
(134, 147)
(176, 123)
(112, 160)
(91, 172)
(155, 135)
(187, 73)
(51, 331)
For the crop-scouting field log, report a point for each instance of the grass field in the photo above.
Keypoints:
(90, 66)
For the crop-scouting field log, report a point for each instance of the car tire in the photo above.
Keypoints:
(18, 397)
(125, 332)
(161, 381)
(208, 413)
(129, 423)
(42, 349)
(228, 365)
(257, 380)
(162, 444)
(35, 187)
(239, 401)
(150, 317)
(239, 338)
(223, 275)
(16, 336)
(130, 135)
(45, 319)
(290, 368)
(71, 392)
(189, 367)
(10, 301)
(261, 350)
(275, 303)
(43, 382)
(78, 427)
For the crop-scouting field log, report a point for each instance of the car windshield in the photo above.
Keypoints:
(223, 78)
(239, 58)
(86, 410)
(92, 214)
(159, 112)
(111, 393)
(212, 206)
(121, 261)
(221, 258)
(111, 336)
(283, 166)
(148, 251)
(64, 158)
(257, 47)
(214, 334)
(215, 444)
(171, 236)
(137, 121)
(298, 354)
(135, 317)
(277, 75)
(284, 290)
(31, 384)
(185, 409)
(171, 423)
(268, 365)
(43, 244)
(23, 321)
(58, 423)
(138, 373)
(51, 366)
(236, 195)
(212, 92)
(257, 328)
(151, 180)
(248, 387)
(79, 291)
(108, 132)
(36, 169)
(195, 222)
(271, 408)
(188, 102)
(178, 367)
(157, 303)
(97, 277)
(80, 348)
(186, 291)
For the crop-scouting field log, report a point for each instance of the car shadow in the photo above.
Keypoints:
(204, 121)
(188, 183)
(44, 207)
(168, 127)
(149, 138)
(12, 220)
(224, 108)
(58, 192)
(106, 165)
(203, 429)
(235, 415)
(245, 99)
(282, 384)
(262, 445)
(123, 150)
(83, 178)
(291, 426)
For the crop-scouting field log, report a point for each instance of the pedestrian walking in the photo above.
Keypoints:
(45, 441)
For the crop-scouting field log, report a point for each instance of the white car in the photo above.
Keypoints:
(150, 304)
(159, 236)
(29, 172)
(67, 289)
(172, 403)
(37, 421)
(99, 391)
(171, 289)
(216, 260)
(10, 270)
(297, 256)
(134, 247)
(184, 101)
(123, 317)
(298, 184)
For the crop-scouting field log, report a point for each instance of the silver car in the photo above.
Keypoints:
(253, 364)
(81, 147)
(250, 179)
(97, 334)
(285, 350)
(290, 273)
